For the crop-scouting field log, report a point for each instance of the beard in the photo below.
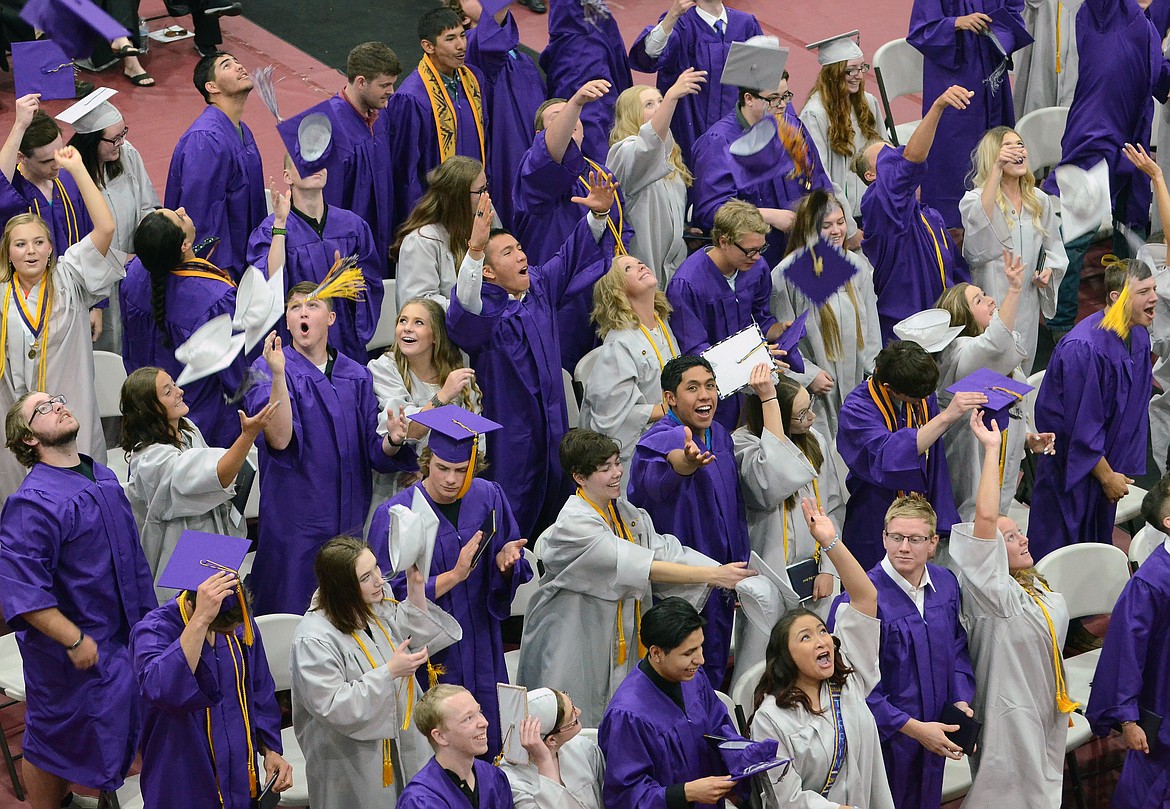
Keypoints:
(61, 440)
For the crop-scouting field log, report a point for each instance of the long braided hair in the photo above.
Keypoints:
(158, 242)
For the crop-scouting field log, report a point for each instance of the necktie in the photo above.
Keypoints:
(719, 28)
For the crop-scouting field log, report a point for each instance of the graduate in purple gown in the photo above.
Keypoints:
(318, 450)
(457, 777)
(513, 91)
(73, 581)
(209, 701)
(476, 590)
(919, 605)
(723, 289)
(698, 37)
(438, 111)
(359, 159)
(584, 44)
(653, 732)
(906, 242)
(314, 233)
(1131, 678)
(165, 281)
(889, 436)
(504, 315)
(553, 175)
(215, 169)
(1095, 396)
(685, 475)
(968, 43)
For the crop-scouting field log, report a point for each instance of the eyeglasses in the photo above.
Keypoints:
(755, 252)
(119, 140)
(854, 72)
(803, 415)
(574, 722)
(46, 407)
(776, 102)
(478, 191)
(913, 539)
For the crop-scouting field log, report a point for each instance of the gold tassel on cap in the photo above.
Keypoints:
(434, 672)
(345, 280)
(1116, 317)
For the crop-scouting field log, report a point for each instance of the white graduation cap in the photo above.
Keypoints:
(259, 304)
(412, 535)
(92, 113)
(765, 597)
(210, 348)
(732, 359)
(1084, 199)
(756, 64)
(930, 328)
(840, 48)
(514, 705)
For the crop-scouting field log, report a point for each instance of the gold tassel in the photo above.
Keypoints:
(638, 628)
(1116, 317)
(248, 635)
(434, 672)
(1064, 703)
(387, 764)
(345, 280)
(621, 638)
(470, 474)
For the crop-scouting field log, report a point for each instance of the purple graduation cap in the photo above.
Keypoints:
(454, 436)
(746, 758)
(819, 270)
(308, 136)
(198, 556)
(75, 25)
(1005, 27)
(788, 340)
(756, 154)
(1003, 393)
(42, 67)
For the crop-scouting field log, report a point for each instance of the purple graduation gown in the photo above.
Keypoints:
(578, 52)
(216, 175)
(651, 745)
(901, 236)
(177, 763)
(881, 465)
(431, 788)
(191, 302)
(407, 127)
(707, 310)
(1095, 396)
(359, 173)
(760, 179)
(513, 91)
(694, 43)
(515, 350)
(308, 257)
(1132, 677)
(1122, 70)
(480, 604)
(546, 216)
(319, 486)
(705, 511)
(941, 675)
(950, 57)
(71, 543)
(65, 213)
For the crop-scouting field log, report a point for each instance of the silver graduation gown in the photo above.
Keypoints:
(582, 773)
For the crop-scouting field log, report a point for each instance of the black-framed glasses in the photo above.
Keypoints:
(776, 102)
(482, 190)
(860, 70)
(913, 539)
(755, 252)
(119, 139)
(804, 415)
(46, 407)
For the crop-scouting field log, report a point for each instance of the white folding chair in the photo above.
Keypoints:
(1129, 508)
(1144, 543)
(1041, 131)
(729, 704)
(108, 375)
(527, 590)
(1090, 576)
(12, 684)
(130, 793)
(898, 69)
(743, 689)
(570, 399)
(956, 779)
(387, 318)
(590, 733)
(277, 631)
(585, 365)
(1035, 380)
(1079, 734)
(512, 664)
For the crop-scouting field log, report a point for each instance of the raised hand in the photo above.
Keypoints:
(510, 554)
(396, 425)
(274, 353)
(481, 225)
(761, 381)
(210, 595)
(679, 7)
(281, 203)
(70, 160)
(691, 452)
(532, 742)
(1144, 163)
(989, 438)
(590, 91)
(254, 425)
(602, 192)
(1010, 153)
(462, 567)
(819, 524)
(955, 96)
(688, 83)
(1013, 268)
(964, 402)
(26, 106)
(457, 381)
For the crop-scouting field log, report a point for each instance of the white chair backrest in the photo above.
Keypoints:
(108, 375)
(1035, 380)
(1144, 543)
(901, 66)
(1042, 130)
(387, 318)
(589, 733)
(1090, 576)
(585, 366)
(11, 667)
(527, 590)
(570, 399)
(729, 704)
(512, 664)
(743, 690)
(277, 631)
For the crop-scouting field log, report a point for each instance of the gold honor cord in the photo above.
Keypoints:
(619, 245)
(72, 232)
(1064, 703)
(916, 412)
(1059, 11)
(39, 327)
(621, 531)
(387, 759)
(665, 335)
(942, 271)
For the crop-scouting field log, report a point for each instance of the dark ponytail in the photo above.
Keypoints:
(158, 242)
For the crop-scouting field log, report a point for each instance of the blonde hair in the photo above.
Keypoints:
(6, 245)
(611, 305)
(629, 118)
(735, 219)
(913, 506)
(428, 711)
(841, 105)
(983, 160)
(954, 301)
(445, 355)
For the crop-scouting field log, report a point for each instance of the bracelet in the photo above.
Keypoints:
(765, 401)
(1128, 722)
(602, 215)
(280, 231)
(832, 544)
(475, 248)
(76, 643)
(392, 443)
(437, 402)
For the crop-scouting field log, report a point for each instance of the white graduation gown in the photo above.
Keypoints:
(570, 639)
(845, 180)
(1037, 83)
(1160, 340)
(342, 709)
(582, 775)
(426, 267)
(1021, 746)
(808, 738)
(983, 245)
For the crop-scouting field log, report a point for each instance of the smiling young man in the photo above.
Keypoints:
(685, 475)
(1095, 396)
(919, 607)
(215, 170)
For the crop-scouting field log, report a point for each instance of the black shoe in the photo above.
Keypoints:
(536, 6)
(176, 9)
(223, 8)
(206, 50)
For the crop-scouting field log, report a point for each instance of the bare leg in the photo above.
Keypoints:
(45, 790)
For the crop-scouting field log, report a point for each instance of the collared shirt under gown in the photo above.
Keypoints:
(704, 510)
(319, 485)
(179, 762)
(941, 675)
(480, 603)
(808, 738)
(1094, 397)
(570, 628)
(191, 301)
(217, 176)
(309, 256)
(343, 709)
(582, 770)
(69, 543)
(1131, 678)
(432, 788)
(957, 57)
(883, 464)
(1021, 746)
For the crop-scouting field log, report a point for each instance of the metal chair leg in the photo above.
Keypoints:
(1074, 772)
(10, 760)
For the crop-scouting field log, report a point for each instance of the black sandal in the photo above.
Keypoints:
(126, 51)
(141, 80)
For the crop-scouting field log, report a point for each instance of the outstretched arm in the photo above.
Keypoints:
(99, 212)
(862, 593)
(918, 148)
(1138, 156)
(560, 130)
(26, 105)
(987, 495)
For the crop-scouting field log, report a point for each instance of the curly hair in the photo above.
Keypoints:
(17, 431)
(841, 106)
(780, 672)
(144, 418)
(445, 355)
(629, 119)
(447, 203)
(611, 305)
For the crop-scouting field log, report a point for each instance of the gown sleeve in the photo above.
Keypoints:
(770, 469)
(90, 275)
(617, 406)
(639, 161)
(178, 483)
(983, 572)
(860, 638)
(419, 261)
